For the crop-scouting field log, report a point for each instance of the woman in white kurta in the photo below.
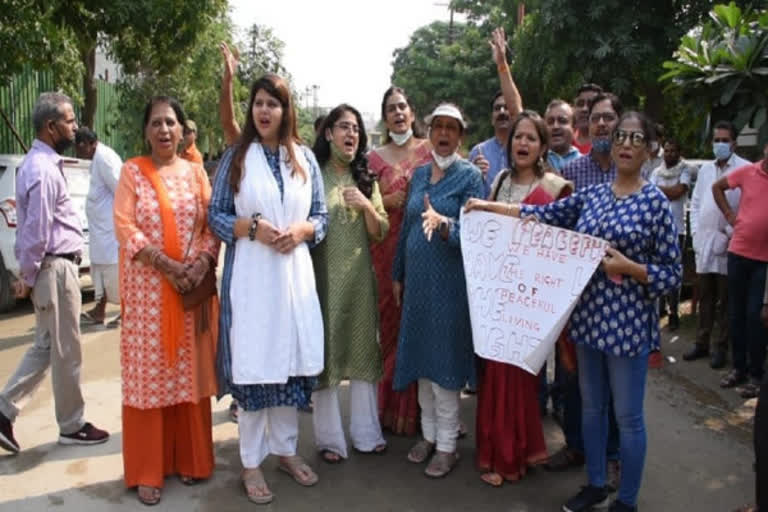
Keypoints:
(268, 207)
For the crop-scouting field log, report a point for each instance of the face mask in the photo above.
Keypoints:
(722, 150)
(444, 162)
(339, 155)
(401, 138)
(602, 145)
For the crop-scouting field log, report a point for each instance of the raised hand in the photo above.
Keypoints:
(498, 45)
(230, 60)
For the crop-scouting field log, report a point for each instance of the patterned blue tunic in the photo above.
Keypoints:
(435, 339)
(621, 319)
(221, 219)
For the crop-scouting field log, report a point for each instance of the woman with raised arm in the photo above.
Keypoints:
(615, 322)
(268, 206)
(393, 164)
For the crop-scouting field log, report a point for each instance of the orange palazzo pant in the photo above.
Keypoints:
(166, 441)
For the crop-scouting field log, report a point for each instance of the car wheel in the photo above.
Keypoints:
(7, 297)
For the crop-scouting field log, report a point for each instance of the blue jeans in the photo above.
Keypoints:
(746, 283)
(601, 375)
(568, 384)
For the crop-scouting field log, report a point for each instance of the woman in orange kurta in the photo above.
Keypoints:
(167, 354)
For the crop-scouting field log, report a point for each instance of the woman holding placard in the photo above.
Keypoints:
(509, 432)
(615, 321)
(435, 341)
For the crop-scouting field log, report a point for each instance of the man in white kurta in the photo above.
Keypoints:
(711, 233)
(103, 247)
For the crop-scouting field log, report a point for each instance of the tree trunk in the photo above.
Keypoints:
(88, 56)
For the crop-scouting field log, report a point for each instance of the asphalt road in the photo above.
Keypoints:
(699, 452)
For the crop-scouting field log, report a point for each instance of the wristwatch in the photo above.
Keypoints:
(255, 218)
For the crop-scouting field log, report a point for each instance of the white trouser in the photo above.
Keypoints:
(274, 430)
(364, 426)
(106, 282)
(439, 415)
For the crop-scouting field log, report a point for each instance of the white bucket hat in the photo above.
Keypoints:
(447, 110)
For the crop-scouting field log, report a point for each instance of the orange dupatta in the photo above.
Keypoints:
(173, 308)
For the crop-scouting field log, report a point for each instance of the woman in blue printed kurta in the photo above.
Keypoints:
(435, 342)
(615, 324)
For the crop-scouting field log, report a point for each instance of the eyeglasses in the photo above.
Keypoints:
(607, 117)
(347, 127)
(636, 139)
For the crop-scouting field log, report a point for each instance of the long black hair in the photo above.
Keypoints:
(359, 166)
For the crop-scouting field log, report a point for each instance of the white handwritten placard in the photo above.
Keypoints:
(523, 281)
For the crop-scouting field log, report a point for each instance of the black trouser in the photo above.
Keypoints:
(746, 285)
(761, 447)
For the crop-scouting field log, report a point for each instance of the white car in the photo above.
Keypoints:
(78, 178)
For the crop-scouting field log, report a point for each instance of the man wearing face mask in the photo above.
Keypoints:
(711, 232)
(597, 166)
(490, 156)
(49, 241)
(673, 177)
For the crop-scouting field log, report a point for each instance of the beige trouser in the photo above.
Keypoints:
(57, 301)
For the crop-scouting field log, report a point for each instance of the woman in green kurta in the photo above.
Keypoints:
(346, 285)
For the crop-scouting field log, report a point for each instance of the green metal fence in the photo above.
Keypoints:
(18, 100)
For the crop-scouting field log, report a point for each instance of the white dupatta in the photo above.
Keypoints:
(277, 326)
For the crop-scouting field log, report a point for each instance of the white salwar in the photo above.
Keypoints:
(364, 426)
(439, 415)
(274, 431)
(277, 325)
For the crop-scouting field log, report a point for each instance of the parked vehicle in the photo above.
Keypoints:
(78, 178)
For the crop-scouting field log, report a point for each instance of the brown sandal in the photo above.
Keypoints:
(421, 451)
(149, 496)
(255, 487)
(295, 466)
(441, 464)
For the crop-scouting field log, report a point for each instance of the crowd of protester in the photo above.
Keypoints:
(342, 264)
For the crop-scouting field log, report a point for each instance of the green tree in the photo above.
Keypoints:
(720, 69)
(140, 35)
(431, 69)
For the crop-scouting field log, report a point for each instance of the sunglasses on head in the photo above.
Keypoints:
(636, 139)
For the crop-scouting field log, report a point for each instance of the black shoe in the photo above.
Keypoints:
(87, 435)
(674, 322)
(697, 352)
(717, 361)
(7, 441)
(564, 459)
(588, 499)
(619, 506)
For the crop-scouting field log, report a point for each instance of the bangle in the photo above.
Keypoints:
(254, 226)
(509, 209)
(504, 66)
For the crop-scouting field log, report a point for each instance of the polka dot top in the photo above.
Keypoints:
(620, 318)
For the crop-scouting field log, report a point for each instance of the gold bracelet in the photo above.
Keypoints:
(509, 209)
(503, 67)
